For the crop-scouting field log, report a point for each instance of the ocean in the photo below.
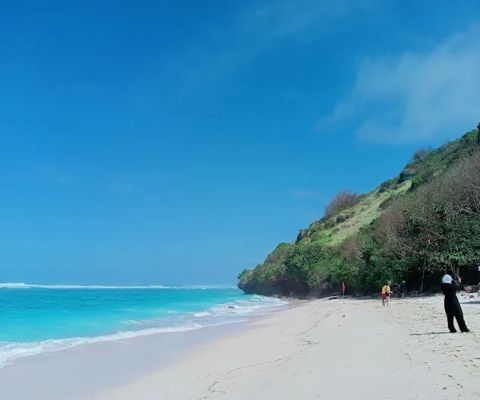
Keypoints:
(41, 318)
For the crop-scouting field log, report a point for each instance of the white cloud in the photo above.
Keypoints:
(422, 97)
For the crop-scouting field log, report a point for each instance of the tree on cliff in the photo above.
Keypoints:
(340, 202)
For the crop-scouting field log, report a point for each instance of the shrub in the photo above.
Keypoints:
(421, 154)
(340, 202)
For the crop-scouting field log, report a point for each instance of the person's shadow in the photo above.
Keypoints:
(429, 333)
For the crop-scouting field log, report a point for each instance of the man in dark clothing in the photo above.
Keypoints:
(452, 306)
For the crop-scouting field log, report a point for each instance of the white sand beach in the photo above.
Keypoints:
(322, 349)
(327, 349)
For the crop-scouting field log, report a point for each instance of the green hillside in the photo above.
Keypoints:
(412, 227)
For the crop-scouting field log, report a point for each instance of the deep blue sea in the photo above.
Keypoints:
(41, 318)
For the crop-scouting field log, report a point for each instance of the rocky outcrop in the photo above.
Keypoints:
(280, 287)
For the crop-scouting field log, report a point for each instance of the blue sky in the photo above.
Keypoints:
(180, 141)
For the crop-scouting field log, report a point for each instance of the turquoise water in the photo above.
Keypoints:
(36, 319)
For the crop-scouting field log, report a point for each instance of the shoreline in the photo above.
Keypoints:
(313, 349)
(21, 337)
(83, 370)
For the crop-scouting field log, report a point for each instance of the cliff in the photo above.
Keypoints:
(411, 227)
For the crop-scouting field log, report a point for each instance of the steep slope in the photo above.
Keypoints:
(337, 247)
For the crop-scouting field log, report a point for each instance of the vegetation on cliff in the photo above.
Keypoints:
(411, 228)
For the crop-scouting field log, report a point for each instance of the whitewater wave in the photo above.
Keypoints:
(201, 314)
(222, 314)
(13, 351)
(21, 285)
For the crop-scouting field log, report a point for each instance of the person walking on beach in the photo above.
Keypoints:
(452, 306)
(403, 289)
(386, 293)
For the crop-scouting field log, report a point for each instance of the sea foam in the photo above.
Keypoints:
(219, 314)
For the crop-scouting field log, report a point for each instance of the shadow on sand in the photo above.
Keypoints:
(429, 333)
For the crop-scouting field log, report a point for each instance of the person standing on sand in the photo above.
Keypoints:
(452, 306)
(386, 293)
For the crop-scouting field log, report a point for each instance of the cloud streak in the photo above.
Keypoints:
(286, 18)
(43, 174)
(417, 97)
(242, 41)
(305, 194)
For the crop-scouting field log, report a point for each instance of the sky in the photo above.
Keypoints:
(179, 141)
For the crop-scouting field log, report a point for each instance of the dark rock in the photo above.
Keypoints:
(280, 287)
(406, 174)
(342, 218)
(302, 234)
